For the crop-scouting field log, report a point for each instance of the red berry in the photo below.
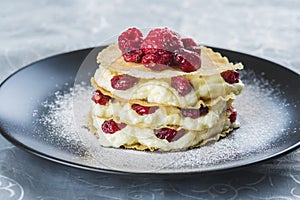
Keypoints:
(123, 82)
(161, 39)
(230, 76)
(100, 98)
(151, 61)
(169, 134)
(188, 61)
(194, 113)
(130, 39)
(151, 51)
(165, 56)
(144, 110)
(188, 43)
(111, 126)
(191, 45)
(196, 49)
(233, 115)
(158, 61)
(181, 84)
(133, 56)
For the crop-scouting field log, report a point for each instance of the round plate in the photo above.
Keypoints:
(268, 109)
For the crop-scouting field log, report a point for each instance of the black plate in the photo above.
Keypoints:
(22, 94)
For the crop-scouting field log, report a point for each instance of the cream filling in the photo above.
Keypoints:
(131, 135)
(160, 91)
(163, 116)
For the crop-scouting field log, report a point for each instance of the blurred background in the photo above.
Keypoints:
(32, 30)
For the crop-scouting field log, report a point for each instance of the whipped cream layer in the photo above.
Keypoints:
(164, 116)
(135, 136)
(159, 91)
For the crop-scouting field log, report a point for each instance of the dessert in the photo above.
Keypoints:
(162, 92)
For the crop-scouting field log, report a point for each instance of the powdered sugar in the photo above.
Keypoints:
(61, 128)
(261, 110)
(263, 118)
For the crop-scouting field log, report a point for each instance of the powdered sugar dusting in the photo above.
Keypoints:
(263, 119)
(262, 115)
(61, 129)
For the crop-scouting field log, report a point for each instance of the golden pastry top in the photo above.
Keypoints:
(211, 63)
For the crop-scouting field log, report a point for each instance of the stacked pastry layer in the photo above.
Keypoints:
(163, 110)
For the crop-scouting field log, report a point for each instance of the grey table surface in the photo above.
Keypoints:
(32, 30)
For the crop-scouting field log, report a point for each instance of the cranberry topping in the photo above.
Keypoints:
(133, 56)
(191, 45)
(230, 76)
(188, 61)
(123, 82)
(151, 51)
(158, 61)
(111, 126)
(188, 43)
(100, 98)
(233, 115)
(144, 110)
(160, 49)
(181, 84)
(130, 39)
(194, 113)
(161, 39)
(169, 134)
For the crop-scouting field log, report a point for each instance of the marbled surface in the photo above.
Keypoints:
(32, 30)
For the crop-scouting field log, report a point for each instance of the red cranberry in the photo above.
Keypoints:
(188, 43)
(123, 82)
(230, 76)
(188, 61)
(161, 39)
(233, 115)
(111, 126)
(151, 61)
(169, 134)
(100, 98)
(133, 56)
(194, 113)
(130, 39)
(181, 84)
(158, 61)
(144, 110)
(191, 45)
(196, 49)
(151, 51)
